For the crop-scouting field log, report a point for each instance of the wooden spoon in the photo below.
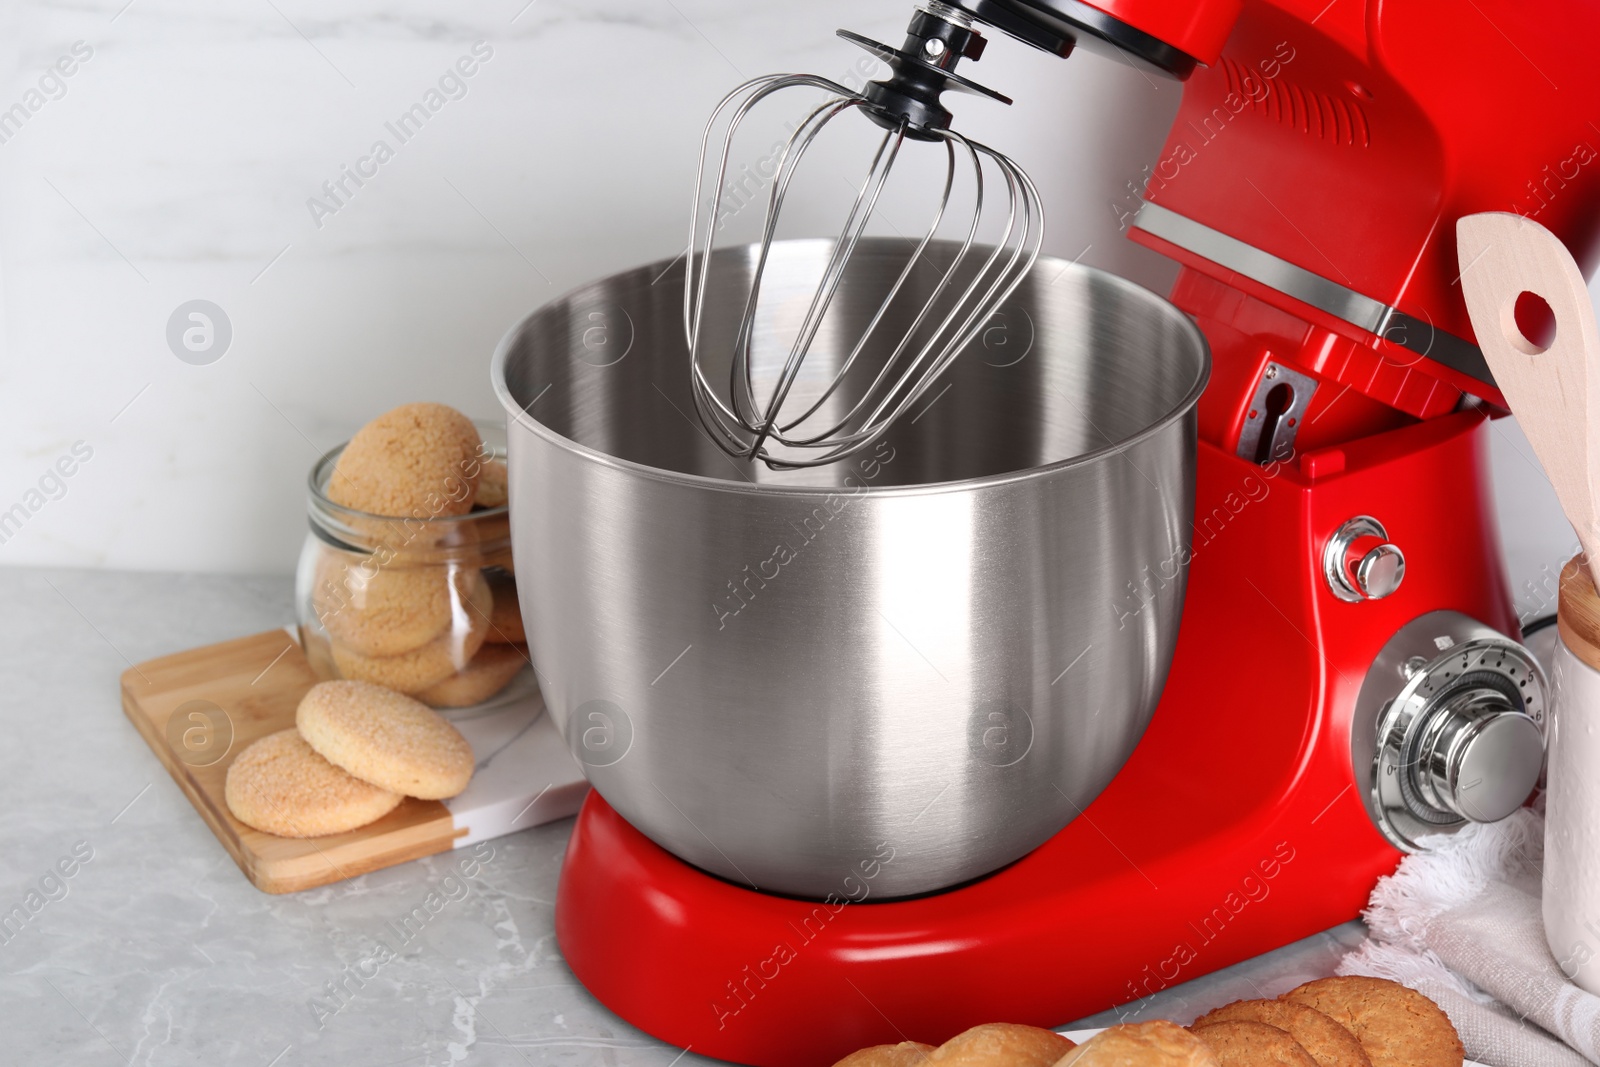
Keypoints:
(1553, 390)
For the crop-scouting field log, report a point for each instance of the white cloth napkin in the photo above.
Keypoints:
(1461, 923)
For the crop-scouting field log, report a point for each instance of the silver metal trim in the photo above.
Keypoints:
(1326, 295)
(1308, 288)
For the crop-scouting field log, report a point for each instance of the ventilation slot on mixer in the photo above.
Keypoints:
(1328, 118)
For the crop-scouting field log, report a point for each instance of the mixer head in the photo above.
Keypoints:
(771, 411)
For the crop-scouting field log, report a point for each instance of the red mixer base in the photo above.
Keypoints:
(1080, 925)
(1232, 830)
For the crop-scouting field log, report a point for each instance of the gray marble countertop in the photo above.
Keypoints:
(157, 950)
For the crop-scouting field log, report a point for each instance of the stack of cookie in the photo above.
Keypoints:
(1350, 1021)
(355, 751)
(415, 588)
(1332, 1022)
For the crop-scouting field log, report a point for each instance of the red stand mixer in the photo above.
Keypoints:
(1346, 676)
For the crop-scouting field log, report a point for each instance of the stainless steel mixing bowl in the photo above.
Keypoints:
(874, 679)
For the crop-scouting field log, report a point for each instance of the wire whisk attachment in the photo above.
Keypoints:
(827, 398)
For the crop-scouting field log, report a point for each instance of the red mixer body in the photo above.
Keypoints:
(1342, 139)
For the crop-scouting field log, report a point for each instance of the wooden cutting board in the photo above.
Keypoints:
(197, 710)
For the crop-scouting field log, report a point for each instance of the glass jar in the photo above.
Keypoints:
(423, 604)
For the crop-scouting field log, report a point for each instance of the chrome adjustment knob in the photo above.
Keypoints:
(1358, 570)
(1448, 728)
(1478, 757)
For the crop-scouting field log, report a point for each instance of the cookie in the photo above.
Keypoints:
(279, 785)
(384, 611)
(492, 485)
(1152, 1044)
(385, 738)
(905, 1054)
(1243, 1043)
(1397, 1026)
(1001, 1045)
(490, 671)
(419, 460)
(414, 671)
(505, 622)
(1328, 1043)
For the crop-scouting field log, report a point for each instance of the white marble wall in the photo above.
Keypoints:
(177, 161)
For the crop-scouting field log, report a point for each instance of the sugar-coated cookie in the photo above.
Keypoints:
(490, 671)
(416, 670)
(1245, 1043)
(385, 738)
(419, 460)
(1152, 1044)
(492, 485)
(1396, 1025)
(279, 785)
(385, 610)
(1001, 1045)
(1329, 1043)
(505, 622)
